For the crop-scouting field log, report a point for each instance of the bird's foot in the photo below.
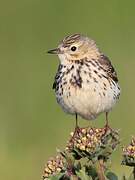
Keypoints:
(75, 133)
(107, 127)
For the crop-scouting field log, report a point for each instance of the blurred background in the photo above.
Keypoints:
(32, 125)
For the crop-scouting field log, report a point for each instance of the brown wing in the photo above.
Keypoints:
(106, 64)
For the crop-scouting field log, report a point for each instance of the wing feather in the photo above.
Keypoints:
(106, 63)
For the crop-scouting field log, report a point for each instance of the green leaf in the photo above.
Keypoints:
(91, 171)
(56, 177)
(131, 177)
(53, 178)
(111, 176)
(82, 174)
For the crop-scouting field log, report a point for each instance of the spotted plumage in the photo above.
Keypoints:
(86, 82)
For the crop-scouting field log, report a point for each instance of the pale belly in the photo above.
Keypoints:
(90, 100)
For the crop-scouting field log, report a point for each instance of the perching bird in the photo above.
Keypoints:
(86, 83)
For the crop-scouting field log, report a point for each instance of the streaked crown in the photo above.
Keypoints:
(76, 47)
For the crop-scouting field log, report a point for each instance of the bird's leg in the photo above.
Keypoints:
(76, 119)
(107, 122)
(76, 128)
(106, 115)
(76, 124)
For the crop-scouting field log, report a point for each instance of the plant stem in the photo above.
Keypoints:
(134, 172)
(100, 169)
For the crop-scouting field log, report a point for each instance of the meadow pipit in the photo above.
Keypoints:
(86, 83)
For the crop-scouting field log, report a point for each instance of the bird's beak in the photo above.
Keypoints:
(54, 51)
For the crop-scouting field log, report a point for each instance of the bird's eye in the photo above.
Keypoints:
(73, 48)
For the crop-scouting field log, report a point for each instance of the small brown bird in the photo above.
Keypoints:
(86, 83)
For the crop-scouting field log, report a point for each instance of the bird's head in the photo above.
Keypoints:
(76, 47)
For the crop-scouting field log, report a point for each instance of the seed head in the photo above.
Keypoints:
(93, 142)
(129, 154)
(53, 167)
